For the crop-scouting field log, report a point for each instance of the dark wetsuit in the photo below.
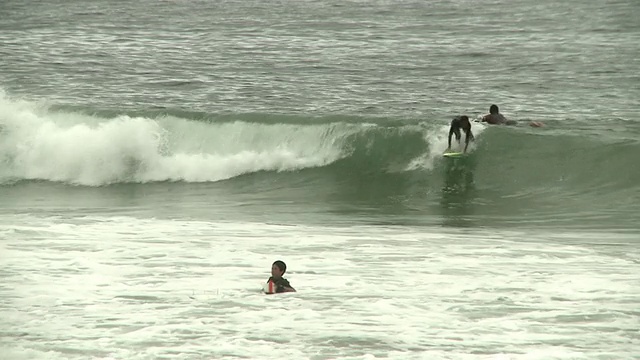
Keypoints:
(497, 119)
(461, 122)
(280, 284)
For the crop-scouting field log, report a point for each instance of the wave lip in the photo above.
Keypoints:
(40, 144)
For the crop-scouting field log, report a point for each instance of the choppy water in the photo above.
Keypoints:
(157, 156)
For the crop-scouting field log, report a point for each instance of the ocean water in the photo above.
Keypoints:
(157, 156)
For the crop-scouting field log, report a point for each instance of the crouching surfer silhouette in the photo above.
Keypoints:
(460, 122)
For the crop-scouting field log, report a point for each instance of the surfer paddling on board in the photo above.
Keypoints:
(494, 117)
(461, 122)
(276, 283)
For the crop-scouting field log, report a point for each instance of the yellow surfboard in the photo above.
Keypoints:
(453, 154)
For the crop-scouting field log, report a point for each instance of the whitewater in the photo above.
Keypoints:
(141, 288)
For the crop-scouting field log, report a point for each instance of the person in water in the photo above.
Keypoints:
(461, 122)
(494, 117)
(280, 284)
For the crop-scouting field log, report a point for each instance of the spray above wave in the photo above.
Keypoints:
(40, 144)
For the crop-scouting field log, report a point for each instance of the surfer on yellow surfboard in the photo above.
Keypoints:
(460, 122)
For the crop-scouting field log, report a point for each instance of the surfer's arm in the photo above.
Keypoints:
(450, 135)
(467, 138)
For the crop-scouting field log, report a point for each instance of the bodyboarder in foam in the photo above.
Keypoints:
(276, 283)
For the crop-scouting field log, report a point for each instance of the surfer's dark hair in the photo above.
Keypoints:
(493, 109)
(281, 265)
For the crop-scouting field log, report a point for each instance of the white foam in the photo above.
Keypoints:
(144, 288)
(81, 149)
